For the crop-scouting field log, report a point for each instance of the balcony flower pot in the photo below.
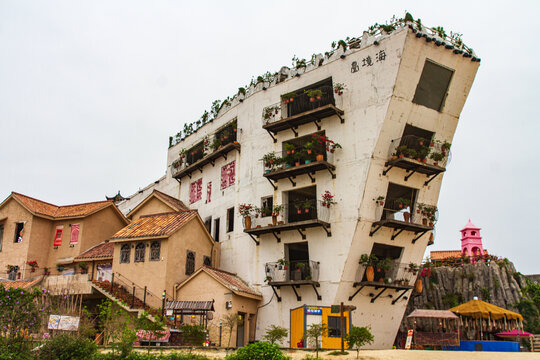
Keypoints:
(288, 166)
(247, 221)
(307, 161)
(320, 157)
(424, 221)
(274, 219)
(370, 273)
(407, 216)
(267, 171)
(418, 286)
(311, 99)
(280, 275)
(319, 97)
(406, 282)
(297, 163)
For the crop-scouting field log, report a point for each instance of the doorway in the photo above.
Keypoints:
(240, 329)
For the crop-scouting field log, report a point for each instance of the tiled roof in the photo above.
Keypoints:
(25, 284)
(155, 225)
(175, 203)
(230, 280)
(44, 208)
(443, 254)
(100, 251)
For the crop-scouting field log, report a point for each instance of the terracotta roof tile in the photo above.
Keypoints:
(25, 284)
(443, 254)
(44, 208)
(175, 203)
(155, 225)
(104, 250)
(232, 281)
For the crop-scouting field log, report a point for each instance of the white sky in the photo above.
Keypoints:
(90, 92)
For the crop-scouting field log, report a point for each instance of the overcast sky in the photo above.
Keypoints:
(90, 92)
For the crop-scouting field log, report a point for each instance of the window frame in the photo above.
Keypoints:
(207, 260)
(230, 219)
(152, 256)
(123, 252)
(190, 262)
(17, 232)
(337, 330)
(425, 81)
(1, 236)
(140, 252)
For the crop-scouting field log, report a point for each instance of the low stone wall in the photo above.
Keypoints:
(68, 284)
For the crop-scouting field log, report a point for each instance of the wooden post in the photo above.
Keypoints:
(144, 297)
(112, 282)
(133, 298)
(341, 324)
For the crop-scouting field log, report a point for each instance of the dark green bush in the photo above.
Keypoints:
(67, 347)
(141, 356)
(259, 351)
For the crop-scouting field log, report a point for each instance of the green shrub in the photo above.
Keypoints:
(275, 334)
(67, 347)
(193, 334)
(259, 351)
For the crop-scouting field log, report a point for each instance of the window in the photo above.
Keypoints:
(1, 236)
(74, 233)
(433, 85)
(139, 252)
(207, 261)
(58, 236)
(19, 227)
(190, 262)
(267, 204)
(155, 250)
(302, 102)
(216, 230)
(208, 224)
(195, 153)
(400, 201)
(125, 254)
(334, 326)
(230, 219)
(302, 204)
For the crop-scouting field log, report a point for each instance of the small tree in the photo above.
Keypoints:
(275, 333)
(358, 337)
(315, 332)
(229, 321)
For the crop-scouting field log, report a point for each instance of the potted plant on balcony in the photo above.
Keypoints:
(413, 268)
(245, 211)
(84, 267)
(288, 97)
(404, 203)
(269, 161)
(282, 268)
(401, 151)
(216, 144)
(313, 94)
(46, 271)
(383, 265)
(275, 213)
(289, 148)
(436, 157)
(368, 261)
(328, 199)
(297, 274)
(307, 205)
(379, 208)
(338, 88)
(33, 265)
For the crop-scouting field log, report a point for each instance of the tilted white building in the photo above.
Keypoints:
(402, 95)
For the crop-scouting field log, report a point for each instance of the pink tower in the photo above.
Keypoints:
(471, 241)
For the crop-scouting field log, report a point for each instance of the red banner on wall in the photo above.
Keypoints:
(58, 236)
(74, 233)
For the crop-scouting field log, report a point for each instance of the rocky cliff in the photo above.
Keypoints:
(496, 282)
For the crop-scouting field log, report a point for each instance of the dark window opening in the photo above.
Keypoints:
(139, 252)
(216, 230)
(303, 101)
(230, 219)
(473, 233)
(393, 254)
(416, 139)
(295, 150)
(302, 204)
(190, 262)
(299, 265)
(399, 200)
(207, 261)
(226, 135)
(125, 254)
(334, 326)
(1, 236)
(155, 251)
(208, 224)
(267, 205)
(18, 232)
(433, 85)
(195, 153)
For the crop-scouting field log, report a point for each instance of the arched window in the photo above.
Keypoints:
(473, 233)
(125, 254)
(207, 261)
(190, 262)
(155, 250)
(139, 252)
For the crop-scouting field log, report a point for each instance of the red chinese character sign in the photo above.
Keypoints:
(209, 192)
(228, 174)
(195, 191)
(74, 233)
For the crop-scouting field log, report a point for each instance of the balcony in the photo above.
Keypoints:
(297, 216)
(182, 168)
(295, 274)
(397, 216)
(302, 109)
(398, 277)
(417, 155)
(287, 165)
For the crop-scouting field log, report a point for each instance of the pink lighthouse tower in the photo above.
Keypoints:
(471, 241)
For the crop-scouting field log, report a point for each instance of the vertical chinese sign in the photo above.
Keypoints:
(228, 174)
(195, 191)
(74, 234)
(209, 192)
(58, 236)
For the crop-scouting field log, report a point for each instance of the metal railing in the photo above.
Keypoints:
(293, 271)
(301, 102)
(428, 151)
(133, 295)
(310, 209)
(290, 158)
(397, 273)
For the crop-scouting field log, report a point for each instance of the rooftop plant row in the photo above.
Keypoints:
(454, 41)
